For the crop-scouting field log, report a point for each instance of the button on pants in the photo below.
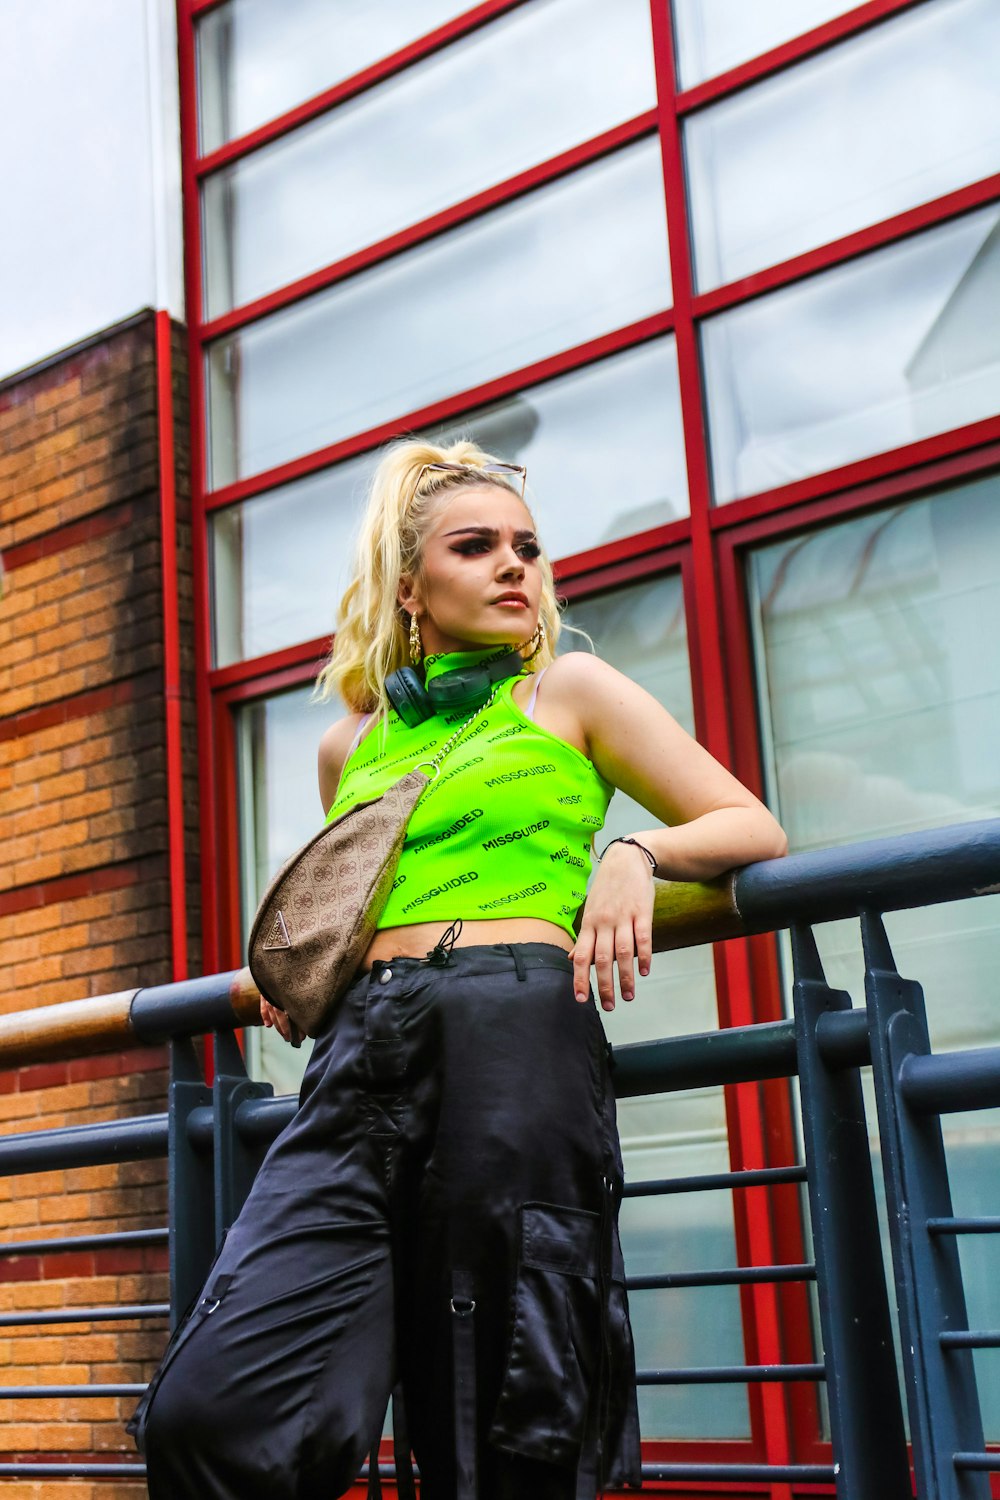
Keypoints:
(441, 1212)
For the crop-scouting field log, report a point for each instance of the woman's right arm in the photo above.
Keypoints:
(334, 749)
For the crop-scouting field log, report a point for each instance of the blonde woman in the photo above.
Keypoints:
(441, 1214)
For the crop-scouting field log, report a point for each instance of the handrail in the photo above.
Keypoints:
(889, 874)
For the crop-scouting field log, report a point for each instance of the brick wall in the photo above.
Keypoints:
(84, 893)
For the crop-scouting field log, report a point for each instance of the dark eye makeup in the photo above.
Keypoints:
(479, 544)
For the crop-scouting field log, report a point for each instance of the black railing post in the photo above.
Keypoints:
(945, 1416)
(866, 1415)
(236, 1161)
(190, 1183)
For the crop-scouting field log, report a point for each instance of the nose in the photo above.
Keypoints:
(510, 563)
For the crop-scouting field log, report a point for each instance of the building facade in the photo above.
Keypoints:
(726, 278)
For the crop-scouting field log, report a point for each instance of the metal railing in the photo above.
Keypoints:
(214, 1137)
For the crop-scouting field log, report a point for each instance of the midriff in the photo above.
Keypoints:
(417, 941)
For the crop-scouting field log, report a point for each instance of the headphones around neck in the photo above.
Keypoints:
(461, 688)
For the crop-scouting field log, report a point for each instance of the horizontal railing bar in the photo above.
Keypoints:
(72, 1471)
(990, 1462)
(970, 1338)
(736, 1276)
(709, 1182)
(915, 869)
(985, 1225)
(744, 1473)
(945, 1082)
(96, 1145)
(121, 1239)
(739, 1054)
(259, 1121)
(40, 1392)
(729, 1374)
(85, 1314)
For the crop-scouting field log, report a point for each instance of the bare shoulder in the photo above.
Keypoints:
(333, 751)
(574, 693)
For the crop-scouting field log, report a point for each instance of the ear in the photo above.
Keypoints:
(405, 597)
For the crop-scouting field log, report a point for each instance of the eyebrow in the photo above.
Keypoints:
(490, 531)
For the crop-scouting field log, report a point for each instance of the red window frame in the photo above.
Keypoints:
(708, 547)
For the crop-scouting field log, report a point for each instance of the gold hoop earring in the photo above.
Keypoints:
(416, 644)
(535, 641)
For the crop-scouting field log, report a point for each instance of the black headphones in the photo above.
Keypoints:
(461, 688)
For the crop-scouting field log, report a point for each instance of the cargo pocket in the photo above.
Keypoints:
(554, 1343)
(196, 1314)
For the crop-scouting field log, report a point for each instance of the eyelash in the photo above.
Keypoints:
(477, 545)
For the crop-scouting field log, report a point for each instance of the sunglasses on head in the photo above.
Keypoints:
(507, 470)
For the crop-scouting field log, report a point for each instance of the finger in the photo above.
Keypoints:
(644, 944)
(266, 1014)
(604, 964)
(583, 957)
(624, 957)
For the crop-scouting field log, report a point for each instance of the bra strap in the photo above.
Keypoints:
(529, 712)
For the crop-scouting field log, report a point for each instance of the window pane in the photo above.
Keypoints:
(641, 630)
(530, 85)
(891, 348)
(578, 436)
(568, 262)
(901, 115)
(713, 35)
(882, 715)
(258, 58)
(279, 808)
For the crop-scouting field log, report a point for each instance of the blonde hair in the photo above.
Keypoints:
(372, 638)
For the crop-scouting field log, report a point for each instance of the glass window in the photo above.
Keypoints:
(259, 58)
(898, 116)
(605, 457)
(277, 740)
(882, 716)
(642, 631)
(511, 94)
(565, 263)
(893, 347)
(715, 35)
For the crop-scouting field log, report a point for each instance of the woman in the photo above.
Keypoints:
(442, 1211)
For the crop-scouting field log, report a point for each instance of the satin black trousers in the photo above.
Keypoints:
(441, 1216)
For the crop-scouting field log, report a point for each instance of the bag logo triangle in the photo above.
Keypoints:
(278, 936)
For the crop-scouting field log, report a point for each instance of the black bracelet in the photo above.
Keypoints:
(622, 840)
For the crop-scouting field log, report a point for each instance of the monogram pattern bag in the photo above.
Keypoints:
(320, 913)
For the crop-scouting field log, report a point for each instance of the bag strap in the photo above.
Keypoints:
(453, 739)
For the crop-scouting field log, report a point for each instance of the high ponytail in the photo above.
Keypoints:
(372, 631)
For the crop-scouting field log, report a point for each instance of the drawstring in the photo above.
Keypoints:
(439, 955)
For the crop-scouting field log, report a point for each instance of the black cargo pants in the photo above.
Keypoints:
(441, 1211)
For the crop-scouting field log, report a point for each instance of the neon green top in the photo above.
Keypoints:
(504, 830)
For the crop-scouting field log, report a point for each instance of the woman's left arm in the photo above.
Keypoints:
(712, 822)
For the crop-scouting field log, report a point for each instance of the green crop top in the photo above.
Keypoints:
(504, 830)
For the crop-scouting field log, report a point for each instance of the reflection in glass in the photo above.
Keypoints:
(258, 58)
(605, 458)
(881, 708)
(902, 114)
(641, 630)
(510, 95)
(894, 347)
(279, 808)
(713, 35)
(565, 263)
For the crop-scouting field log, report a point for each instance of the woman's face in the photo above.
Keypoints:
(479, 582)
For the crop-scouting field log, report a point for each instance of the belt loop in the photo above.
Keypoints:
(463, 1332)
(518, 958)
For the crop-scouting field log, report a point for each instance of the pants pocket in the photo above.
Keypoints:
(206, 1304)
(554, 1345)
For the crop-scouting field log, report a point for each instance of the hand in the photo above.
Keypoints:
(616, 927)
(272, 1016)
